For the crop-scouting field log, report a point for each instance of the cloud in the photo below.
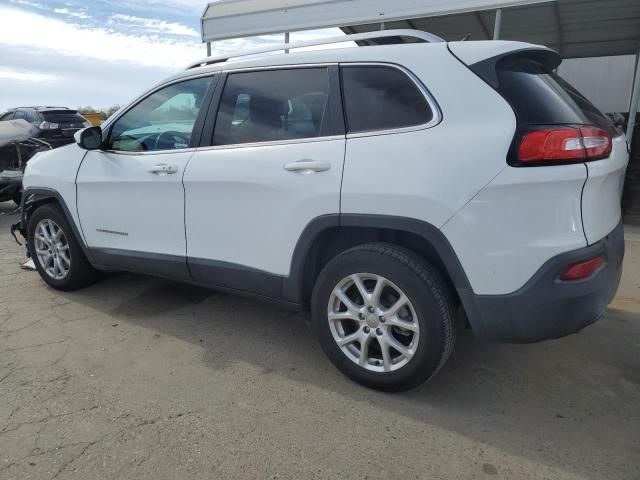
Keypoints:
(29, 4)
(27, 76)
(153, 25)
(68, 81)
(94, 62)
(66, 11)
(63, 38)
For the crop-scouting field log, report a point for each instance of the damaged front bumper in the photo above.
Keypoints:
(10, 184)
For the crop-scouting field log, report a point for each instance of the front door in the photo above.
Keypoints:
(130, 195)
(274, 165)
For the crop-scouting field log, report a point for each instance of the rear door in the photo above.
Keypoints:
(273, 165)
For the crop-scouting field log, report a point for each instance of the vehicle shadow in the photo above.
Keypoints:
(554, 403)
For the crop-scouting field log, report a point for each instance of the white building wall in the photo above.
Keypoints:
(606, 81)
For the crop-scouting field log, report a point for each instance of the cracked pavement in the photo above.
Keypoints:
(139, 377)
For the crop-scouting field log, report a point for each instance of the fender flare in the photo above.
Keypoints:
(34, 197)
(292, 288)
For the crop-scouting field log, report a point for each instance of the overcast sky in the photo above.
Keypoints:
(99, 52)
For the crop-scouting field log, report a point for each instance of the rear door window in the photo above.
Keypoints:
(32, 117)
(274, 105)
(541, 97)
(382, 98)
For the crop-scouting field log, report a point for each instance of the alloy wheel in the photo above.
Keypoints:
(373, 322)
(52, 249)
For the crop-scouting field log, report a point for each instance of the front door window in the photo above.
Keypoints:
(162, 121)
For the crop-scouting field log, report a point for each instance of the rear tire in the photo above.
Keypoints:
(56, 252)
(406, 342)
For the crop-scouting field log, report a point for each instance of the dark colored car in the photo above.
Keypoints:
(56, 125)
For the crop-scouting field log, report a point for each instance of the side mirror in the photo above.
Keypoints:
(89, 138)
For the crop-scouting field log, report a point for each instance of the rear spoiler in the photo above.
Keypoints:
(482, 57)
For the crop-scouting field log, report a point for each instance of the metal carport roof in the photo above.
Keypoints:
(225, 19)
(575, 28)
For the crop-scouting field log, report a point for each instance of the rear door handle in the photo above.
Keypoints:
(308, 166)
(163, 169)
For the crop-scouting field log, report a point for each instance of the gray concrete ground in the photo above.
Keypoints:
(139, 378)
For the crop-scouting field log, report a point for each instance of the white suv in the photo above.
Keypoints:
(384, 188)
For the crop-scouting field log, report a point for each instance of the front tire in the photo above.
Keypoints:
(56, 252)
(383, 316)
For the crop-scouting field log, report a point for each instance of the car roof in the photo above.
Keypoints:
(326, 55)
(42, 108)
(370, 53)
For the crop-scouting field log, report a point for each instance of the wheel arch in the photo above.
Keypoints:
(33, 198)
(329, 235)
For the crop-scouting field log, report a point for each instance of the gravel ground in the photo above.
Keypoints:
(140, 377)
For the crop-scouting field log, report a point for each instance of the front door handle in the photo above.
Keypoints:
(163, 169)
(308, 166)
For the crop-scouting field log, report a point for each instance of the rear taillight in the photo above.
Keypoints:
(564, 144)
(581, 270)
(48, 126)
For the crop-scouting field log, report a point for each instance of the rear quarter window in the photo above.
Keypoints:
(382, 98)
(541, 97)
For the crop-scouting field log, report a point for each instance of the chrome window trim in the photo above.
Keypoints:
(292, 141)
(435, 108)
(149, 152)
(148, 93)
(286, 66)
(433, 105)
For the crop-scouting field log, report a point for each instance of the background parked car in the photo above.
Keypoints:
(56, 125)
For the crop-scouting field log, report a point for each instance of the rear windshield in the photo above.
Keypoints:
(62, 117)
(541, 97)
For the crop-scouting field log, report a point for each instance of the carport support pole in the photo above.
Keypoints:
(497, 27)
(208, 49)
(286, 40)
(635, 100)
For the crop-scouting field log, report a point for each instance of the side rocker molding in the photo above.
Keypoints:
(33, 197)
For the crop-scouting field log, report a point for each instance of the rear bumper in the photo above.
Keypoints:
(547, 307)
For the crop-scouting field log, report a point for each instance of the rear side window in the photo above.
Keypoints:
(382, 98)
(32, 116)
(62, 117)
(273, 105)
(541, 97)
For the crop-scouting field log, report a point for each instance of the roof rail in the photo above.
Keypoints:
(418, 34)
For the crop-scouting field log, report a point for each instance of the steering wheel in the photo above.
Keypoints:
(166, 140)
